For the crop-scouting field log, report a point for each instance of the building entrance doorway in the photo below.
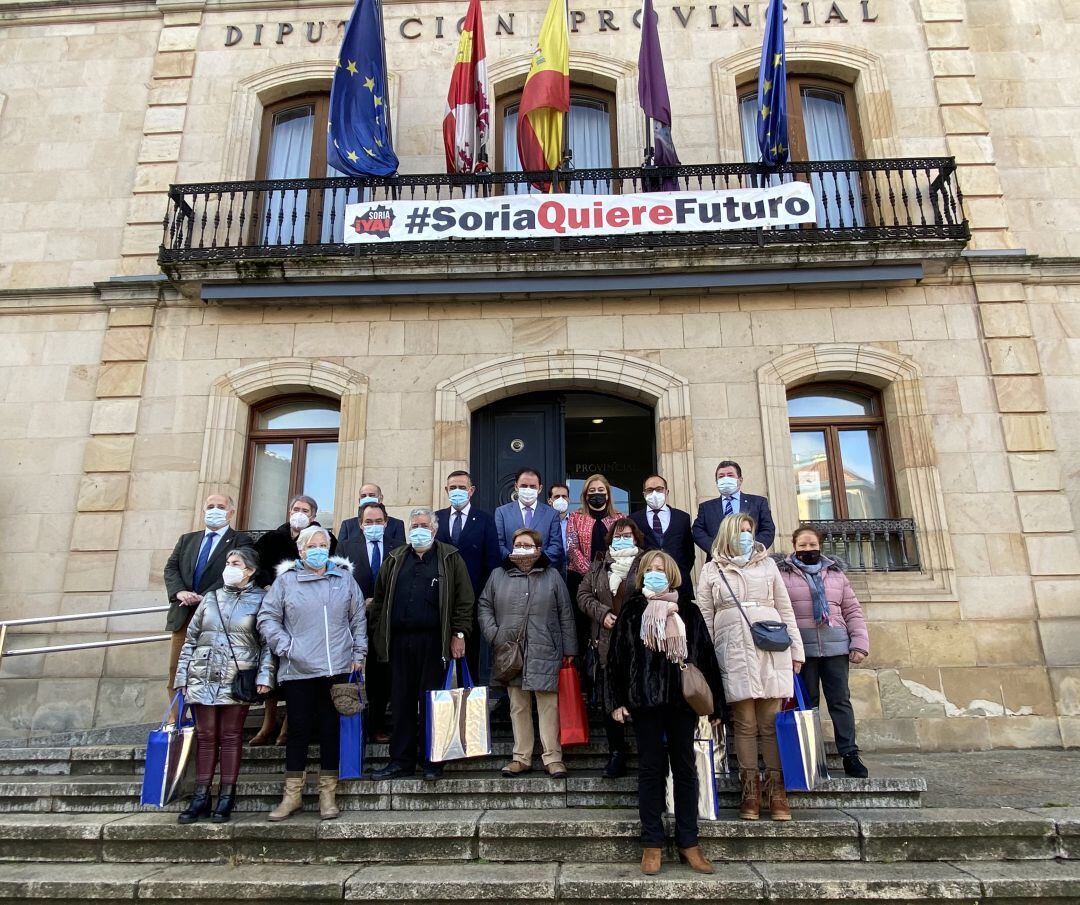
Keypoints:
(566, 436)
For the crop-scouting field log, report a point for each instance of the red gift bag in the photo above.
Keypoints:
(573, 718)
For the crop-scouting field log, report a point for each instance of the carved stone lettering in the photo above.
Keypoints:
(284, 29)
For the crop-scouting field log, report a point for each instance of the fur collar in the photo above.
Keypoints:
(342, 562)
(783, 563)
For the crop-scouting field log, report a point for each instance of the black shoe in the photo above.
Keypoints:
(199, 808)
(225, 800)
(855, 767)
(616, 766)
(432, 772)
(392, 771)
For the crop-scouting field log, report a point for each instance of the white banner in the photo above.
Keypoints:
(533, 216)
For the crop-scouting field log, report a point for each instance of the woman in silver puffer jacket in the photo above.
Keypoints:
(222, 639)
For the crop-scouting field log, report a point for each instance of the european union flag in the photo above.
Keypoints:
(358, 139)
(772, 89)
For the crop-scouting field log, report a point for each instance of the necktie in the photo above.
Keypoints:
(727, 506)
(528, 516)
(376, 557)
(204, 555)
(656, 526)
(455, 529)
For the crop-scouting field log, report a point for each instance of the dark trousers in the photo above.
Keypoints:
(416, 667)
(665, 735)
(616, 732)
(377, 686)
(219, 730)
(311, 715)
(831, 674)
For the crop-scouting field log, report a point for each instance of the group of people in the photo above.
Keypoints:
(397, 601)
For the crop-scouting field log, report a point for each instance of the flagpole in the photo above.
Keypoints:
(567, 151)
(648, 119)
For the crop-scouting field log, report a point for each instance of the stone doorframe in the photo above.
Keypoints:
(228, 415)
(606, 372)
(911, 446)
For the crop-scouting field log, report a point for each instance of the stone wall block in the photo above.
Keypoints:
(120, 378)
(1006, 319)
(103, 492)
(97, 531)
(1013, 356)
(1044, 513)
(141, 316)
(126, 344)
(1053, 555)
(1028, 433)
(88, 572)
(1061, 641)
(1020, 394)
(1035, 471)
(114, 416)
(1057, 597)
(174, 65)
(109, 453)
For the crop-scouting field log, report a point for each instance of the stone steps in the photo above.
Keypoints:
(524, 836)
(582, 789)
(783, 883)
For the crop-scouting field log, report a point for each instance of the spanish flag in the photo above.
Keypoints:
(545, 100)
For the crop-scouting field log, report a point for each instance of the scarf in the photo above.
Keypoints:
(525, 563)
(621, 561)
(814, 578)
(662, 629)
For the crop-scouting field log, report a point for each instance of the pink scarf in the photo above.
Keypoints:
(662, 629)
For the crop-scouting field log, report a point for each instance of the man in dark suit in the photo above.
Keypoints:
(366, 551)
(195, 566)
(472, 531)
(395, 527)
(527, 511)
(667, 529)
(712, 512)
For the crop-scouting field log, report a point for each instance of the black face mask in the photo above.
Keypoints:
(808, 557)
(597, 500)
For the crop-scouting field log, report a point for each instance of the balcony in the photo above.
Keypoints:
(867, 211)
(871, 545)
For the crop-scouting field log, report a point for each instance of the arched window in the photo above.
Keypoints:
(590, 134)
(839, 453)
(822, 125)
(292, 448)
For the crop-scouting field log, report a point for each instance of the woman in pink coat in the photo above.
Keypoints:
(833, 631)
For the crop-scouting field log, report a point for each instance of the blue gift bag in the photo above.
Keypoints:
(801, 743)
(168, 750)
(351, 756)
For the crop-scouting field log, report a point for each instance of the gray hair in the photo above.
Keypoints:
(249, 556)
(304, 498)
(430, 513)
(308, 533)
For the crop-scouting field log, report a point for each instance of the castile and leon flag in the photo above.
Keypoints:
(467, 119)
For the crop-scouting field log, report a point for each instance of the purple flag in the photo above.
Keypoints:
(652, 89)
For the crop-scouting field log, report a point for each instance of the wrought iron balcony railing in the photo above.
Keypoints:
(857, 200)
(871, 545)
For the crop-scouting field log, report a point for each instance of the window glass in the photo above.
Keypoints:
(270, 484)
(812, 484)
(828, 137)
(298, 416)
(320, 477)
(589, 137)
(289, 157)
(831, 403)
(860, 452)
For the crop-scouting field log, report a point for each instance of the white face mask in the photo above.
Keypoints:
(233, 576)
(727, 485)
(560, 504)
(527, 495)
(656, 500)
(215, 518)
(299, 521)
(524, 551)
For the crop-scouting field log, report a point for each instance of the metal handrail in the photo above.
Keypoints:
(75, 617)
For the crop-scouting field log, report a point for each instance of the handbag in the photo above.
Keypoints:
(349, 697)
(458, 725)
(695, 689)
(245, 682)
(708, 767)
(168, 750)
(508, 661)
(801, 743)
(768, 634)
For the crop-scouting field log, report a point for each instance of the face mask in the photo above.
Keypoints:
(299, 521)
(656, 582)
(560, 504)
(374, 532)
(596, 500)
(215, 518)
(364, 500)
(527, 495)
(727, 485)
(316, 557)
(524, 551)
(233, 576)
(808, 557)
(420, 538)
(458, 497)
(656, 499)
(622, 543)
(746, 543)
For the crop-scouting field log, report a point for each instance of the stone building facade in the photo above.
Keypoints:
(127, 386)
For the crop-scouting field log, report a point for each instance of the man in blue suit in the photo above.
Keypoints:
(712, 512)
(527, 511)
(668, 529)
(395, 527)
(472, 531)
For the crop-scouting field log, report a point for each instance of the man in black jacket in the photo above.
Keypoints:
(395, 527)
(731, 500)
(194, 568)
(279, 545)
(668, 529)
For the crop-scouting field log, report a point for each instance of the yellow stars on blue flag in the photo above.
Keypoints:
(772, 132)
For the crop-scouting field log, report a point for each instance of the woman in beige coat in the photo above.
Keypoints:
(738, 586)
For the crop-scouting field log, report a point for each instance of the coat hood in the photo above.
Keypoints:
(289, 564)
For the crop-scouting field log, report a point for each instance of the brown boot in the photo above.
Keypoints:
(778, 803)
(328, 808)
(650, 862)
(283, 735)
(750, 806)
(269, 724)
(292, 800)
(696, 860)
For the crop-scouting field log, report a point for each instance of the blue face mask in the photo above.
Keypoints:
(420, 538)
(365, 500)
(746, 542)
(458, 497)
(622, 543)
(374, 532)
(316, 557)
(656, 582)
